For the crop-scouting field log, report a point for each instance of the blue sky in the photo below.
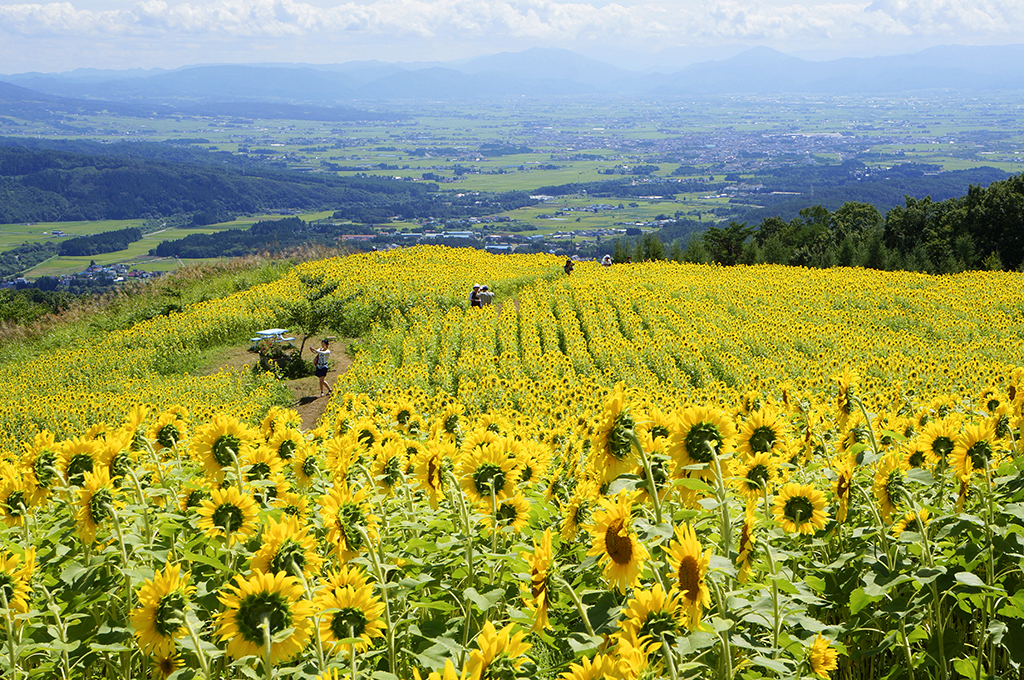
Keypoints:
(61, 36)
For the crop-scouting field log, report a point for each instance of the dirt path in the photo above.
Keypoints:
(305, 391)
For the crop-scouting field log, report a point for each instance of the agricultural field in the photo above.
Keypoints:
(135, 256)
(650, 470)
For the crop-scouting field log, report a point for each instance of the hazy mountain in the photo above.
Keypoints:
(545, 72)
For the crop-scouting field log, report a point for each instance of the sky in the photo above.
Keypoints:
(125, 34)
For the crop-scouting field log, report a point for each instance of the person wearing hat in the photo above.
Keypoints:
(474, 297)
(486, 295)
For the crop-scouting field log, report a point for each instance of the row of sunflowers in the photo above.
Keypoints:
(648, 471)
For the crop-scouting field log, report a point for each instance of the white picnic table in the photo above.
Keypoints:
(275, 334)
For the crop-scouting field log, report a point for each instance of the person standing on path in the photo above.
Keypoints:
(474, 297)
(321, 364)
(486, 296)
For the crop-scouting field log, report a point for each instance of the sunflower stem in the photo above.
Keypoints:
(379, 573)
(238, 472)
(652, 489)
(723, 504)
(268, 670)
(203, 662)
(352, 650)
(464, 514)
(669, 658)
(145, 507)
(62, 632)
(773, 569)
(10, 633)
(297, 572)
(579, 605)
(723, 635)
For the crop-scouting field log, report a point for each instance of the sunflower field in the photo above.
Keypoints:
(649, 470)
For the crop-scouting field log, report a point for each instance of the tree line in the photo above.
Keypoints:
(104, 242)
(266, 235)
(980, 230)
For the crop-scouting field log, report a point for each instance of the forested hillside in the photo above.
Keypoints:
(149, 180)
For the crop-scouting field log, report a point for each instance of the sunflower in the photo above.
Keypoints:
(755, 475)
(691, 568)
(938, 438)
(541, 567)
(800, 508)
(261, 464)
(616, 545)
(916, 456)
(746, 547)
(653, 613)
(700, 432)
(344, 513)
(78, 456)
(278, 419)
(16, 578)
(844, 484)
(285, 442)
(168, 430)
(261, 604)
(612, 443)
(193, 493)
(578, 510)
(889, 484)
(601, 667)
(532, 461)
(349, 612)
(340, 454)
(478, 438)
(912, 521)
(822, 657)
(402, 412)
(287, 547)
(429, 469)
(974, 450)
(217, 445)
(229, 514)
(486, 472)
(166, 665)
(345, 576)
(115, 454)
(846, 395)
(367, 433)
(499, 654)
(633, 656)
(160, 617)
(448, 425)
(761, 433)
(96, 501)
(40, 466)
(15, 497)
(305, 465)
(388, 464)
(511, 514)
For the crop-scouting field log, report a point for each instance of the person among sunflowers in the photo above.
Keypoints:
(323, 358)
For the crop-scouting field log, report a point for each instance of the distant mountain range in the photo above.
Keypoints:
(318, 89)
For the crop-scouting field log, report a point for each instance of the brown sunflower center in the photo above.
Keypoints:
(619, 547)
(689, 577)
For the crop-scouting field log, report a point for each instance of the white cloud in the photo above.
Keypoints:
(505, 24)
